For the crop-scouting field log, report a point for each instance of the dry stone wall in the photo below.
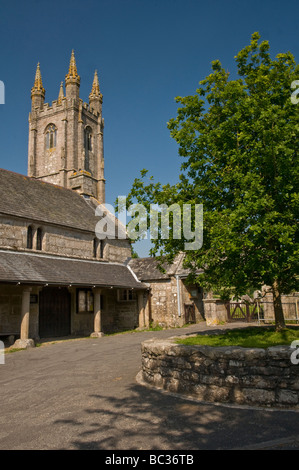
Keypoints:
(245, 376)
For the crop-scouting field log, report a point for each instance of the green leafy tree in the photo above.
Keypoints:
(239, 139)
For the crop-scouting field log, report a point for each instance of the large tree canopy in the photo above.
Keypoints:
(239, 141)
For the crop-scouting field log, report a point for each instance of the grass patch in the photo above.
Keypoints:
(247, 338)
(12, 350)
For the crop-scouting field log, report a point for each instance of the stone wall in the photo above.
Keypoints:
(10, 310)
(13, 232)
(290, 307)
(259, 377)
(59, 240)
(118, 315)
(164, 309)
(215, 311)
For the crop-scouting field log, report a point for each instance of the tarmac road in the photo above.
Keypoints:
(83, 394)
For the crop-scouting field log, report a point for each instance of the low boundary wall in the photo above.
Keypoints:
(245, 376)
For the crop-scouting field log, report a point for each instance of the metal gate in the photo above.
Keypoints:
(54, 312)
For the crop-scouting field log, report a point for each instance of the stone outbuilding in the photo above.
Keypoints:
(171, 301)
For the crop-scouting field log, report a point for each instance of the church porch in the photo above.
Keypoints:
(43, 296)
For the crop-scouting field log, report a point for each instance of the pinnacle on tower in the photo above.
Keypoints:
(72, 74)
(37, 91)
(72, 81)
(38, 84)
(95, 90)
(96, 97)
(61, 94)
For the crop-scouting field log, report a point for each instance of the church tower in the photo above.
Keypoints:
(66, 138)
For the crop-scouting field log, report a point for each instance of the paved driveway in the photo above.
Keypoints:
(83, 394)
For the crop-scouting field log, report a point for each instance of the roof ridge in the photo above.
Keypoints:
(39, 181)
(27, 197)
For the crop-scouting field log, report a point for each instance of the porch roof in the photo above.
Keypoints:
(39, 269)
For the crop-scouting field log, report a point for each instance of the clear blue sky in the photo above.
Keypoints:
(146, 52)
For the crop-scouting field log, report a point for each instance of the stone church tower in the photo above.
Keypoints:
(66, 138)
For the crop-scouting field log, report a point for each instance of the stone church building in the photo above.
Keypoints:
(57, 277)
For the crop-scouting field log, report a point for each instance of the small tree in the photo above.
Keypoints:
(240, 141)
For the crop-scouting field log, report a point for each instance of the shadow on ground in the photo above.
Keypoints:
(147, 419)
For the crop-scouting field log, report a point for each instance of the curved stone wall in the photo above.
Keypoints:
(246, 376)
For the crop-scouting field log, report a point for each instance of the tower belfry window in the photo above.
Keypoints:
(51, 134)
(88, 138)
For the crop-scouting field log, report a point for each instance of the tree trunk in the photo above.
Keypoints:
(278, 312)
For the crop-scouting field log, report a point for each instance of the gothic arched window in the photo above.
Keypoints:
(98, 248)
(29, 237)
(51, 134)
(95, 247)
(39, 238)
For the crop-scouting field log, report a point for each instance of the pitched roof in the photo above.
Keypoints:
(146, 269)
(27, 197)
(45, 269)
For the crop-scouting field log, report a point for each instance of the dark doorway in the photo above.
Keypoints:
(189, 313)
(54, 312)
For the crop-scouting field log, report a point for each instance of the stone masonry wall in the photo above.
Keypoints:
(164, 309)
(290, 307)
(164, 302)
(56, 165)
(59, 240)
(11, 307)
(116, 315)
(259, 377)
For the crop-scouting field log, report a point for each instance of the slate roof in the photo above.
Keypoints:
(27, 197)
(146, 269)
(42, 269)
